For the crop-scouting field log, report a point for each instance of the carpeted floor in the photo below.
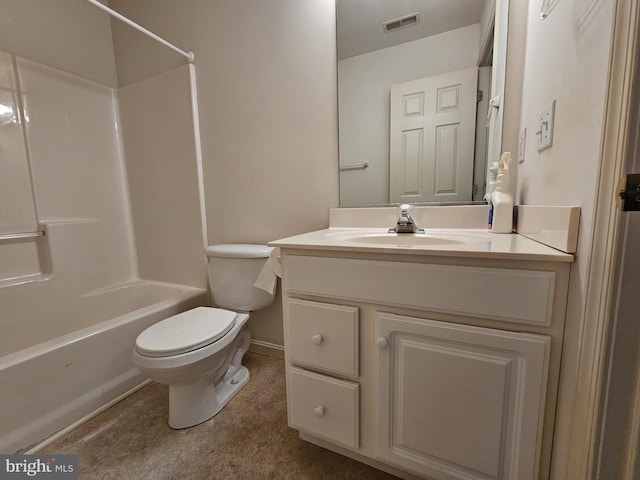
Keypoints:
(248, 440)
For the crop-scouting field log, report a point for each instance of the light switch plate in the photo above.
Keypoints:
(546, 121)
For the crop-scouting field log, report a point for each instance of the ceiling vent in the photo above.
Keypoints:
(403, 22)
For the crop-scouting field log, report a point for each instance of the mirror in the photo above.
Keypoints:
(385, 42)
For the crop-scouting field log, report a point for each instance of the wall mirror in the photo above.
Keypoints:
(419, 89)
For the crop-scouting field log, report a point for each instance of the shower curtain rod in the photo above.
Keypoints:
(190, 56)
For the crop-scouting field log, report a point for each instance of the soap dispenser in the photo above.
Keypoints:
(501, 204)
(491, 180)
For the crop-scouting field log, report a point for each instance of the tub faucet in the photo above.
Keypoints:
(405, 223)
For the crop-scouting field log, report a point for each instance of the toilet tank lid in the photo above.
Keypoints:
(239, 250)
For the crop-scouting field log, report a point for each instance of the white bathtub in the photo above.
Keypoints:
(52, 384)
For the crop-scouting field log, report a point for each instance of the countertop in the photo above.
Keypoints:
(468, 243)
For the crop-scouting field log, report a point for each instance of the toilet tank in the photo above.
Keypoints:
(233, 271)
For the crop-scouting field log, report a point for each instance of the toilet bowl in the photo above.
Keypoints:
(198, 353)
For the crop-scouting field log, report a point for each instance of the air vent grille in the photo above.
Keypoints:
(403, 22)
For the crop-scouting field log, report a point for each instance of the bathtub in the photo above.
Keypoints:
(55, 382)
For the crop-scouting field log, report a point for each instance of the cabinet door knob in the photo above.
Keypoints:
(317, 339)
(319, 410)
(382, 342)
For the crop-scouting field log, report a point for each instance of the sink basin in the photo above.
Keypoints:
(404, 239)
(381, 238)
(433, 237)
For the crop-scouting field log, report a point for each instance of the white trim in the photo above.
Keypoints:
(266, 348)
(485, 55)
(600, 289)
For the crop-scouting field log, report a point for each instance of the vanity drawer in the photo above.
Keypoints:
(324, 336)
(324, 406)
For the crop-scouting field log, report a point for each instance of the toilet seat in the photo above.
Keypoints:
(185, 332)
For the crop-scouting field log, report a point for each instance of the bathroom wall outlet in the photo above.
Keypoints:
(522, 140)
(545, 127)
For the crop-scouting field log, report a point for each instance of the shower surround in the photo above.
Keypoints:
(67, 296)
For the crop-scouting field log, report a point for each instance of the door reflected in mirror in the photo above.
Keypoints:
(412, 127)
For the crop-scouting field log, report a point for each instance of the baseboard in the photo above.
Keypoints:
(266, 348)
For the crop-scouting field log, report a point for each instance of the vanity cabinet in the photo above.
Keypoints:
(410, 364)
(456, 401)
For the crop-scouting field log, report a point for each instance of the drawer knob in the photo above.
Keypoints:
(317, 339)
(382, 342)
(319, 410)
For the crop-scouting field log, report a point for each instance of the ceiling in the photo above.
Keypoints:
(359, 24)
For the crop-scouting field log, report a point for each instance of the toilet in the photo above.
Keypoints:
(198, 353)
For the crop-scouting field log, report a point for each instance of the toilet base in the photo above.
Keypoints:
(197, 402)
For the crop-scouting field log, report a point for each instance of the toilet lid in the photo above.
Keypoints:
(185, 332)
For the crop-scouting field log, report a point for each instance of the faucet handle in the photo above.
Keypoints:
(405, 209)
(405, 223)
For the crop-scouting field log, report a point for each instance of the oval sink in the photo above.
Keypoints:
(404, 239)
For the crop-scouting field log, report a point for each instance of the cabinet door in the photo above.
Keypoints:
(459, 402)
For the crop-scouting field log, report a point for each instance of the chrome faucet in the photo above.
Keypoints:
(405, 223)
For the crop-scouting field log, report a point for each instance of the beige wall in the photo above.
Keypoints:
(566, 59)
(266, 74)
(71, 35)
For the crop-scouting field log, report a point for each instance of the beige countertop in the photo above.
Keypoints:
(468, 243)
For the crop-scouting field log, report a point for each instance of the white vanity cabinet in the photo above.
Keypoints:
(456, 401)
(427, 367)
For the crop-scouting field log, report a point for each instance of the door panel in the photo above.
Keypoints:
(432, 137)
